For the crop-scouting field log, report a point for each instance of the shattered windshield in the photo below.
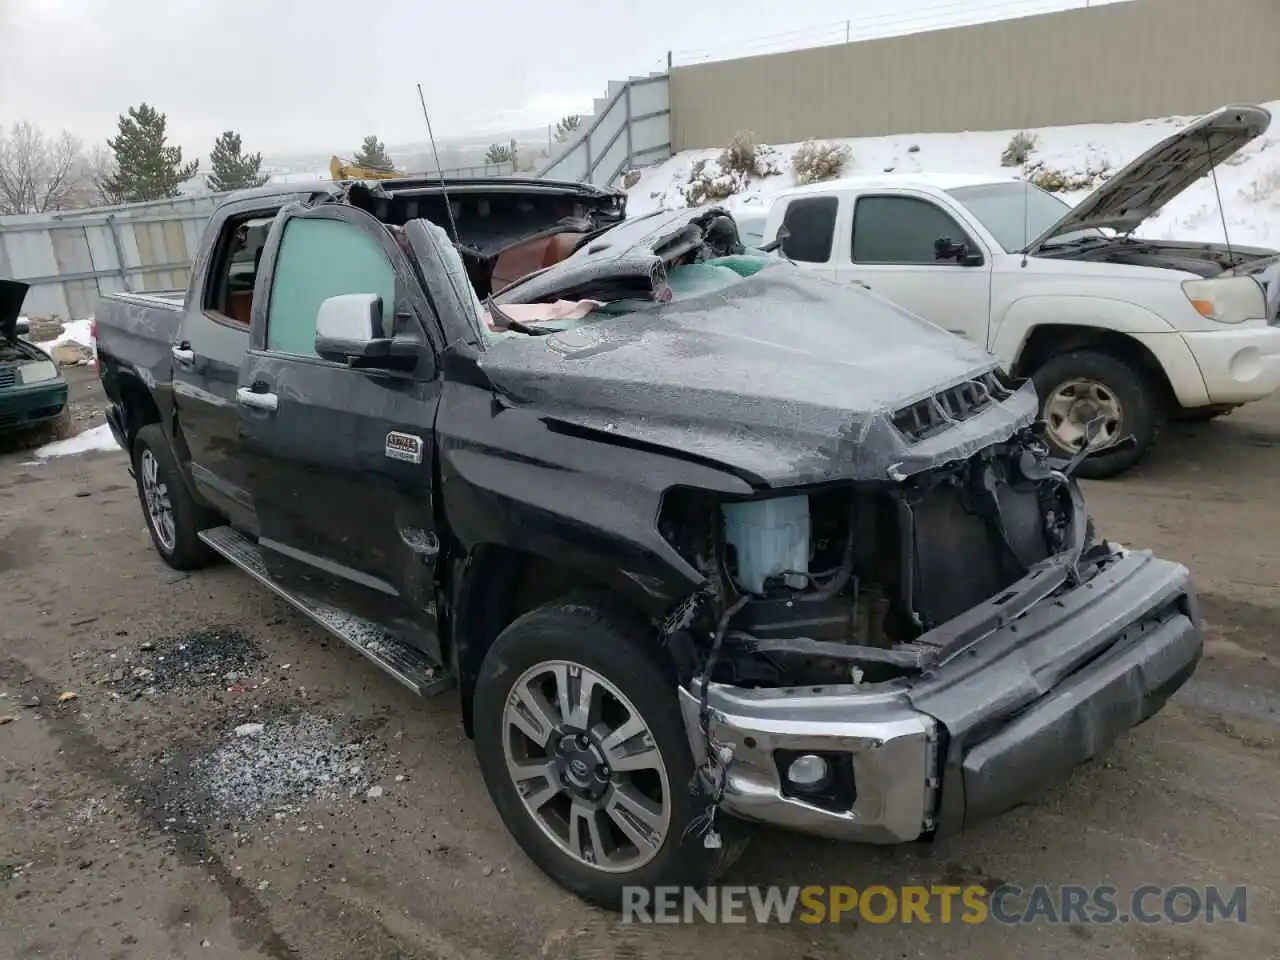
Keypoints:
(1015, 213)
(685, 281)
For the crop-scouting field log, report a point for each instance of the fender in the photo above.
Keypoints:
(509, 478)
(1010, 332)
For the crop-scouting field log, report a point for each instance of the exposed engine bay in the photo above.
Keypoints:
(856, 583)
(1203, 259)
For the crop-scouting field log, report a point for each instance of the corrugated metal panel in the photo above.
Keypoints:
(77, 247)
(1119, 62)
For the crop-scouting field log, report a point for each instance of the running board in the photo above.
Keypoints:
(405, 663)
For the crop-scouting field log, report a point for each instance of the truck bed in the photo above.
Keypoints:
(135, 333)
(165, 299)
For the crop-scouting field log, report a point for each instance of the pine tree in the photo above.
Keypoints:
(146, 167)
(232, 168)
(566, 126)
(373, 154)
(501, 153)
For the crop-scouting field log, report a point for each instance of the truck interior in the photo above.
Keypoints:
(235, 268)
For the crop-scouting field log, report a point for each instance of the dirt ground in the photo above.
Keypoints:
(135, 822)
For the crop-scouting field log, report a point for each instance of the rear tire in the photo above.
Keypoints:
(173, 518)
(636, 689)
(1082, 383)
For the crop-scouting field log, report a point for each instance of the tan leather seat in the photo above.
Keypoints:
(239, 306)
(522, 260)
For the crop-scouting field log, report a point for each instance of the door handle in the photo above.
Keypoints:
(259, 401)
(863, 284)
(184, 355)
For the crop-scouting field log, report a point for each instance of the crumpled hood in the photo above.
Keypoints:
(12, 293)
(784, 377)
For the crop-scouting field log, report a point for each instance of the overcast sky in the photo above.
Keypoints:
(296, 76)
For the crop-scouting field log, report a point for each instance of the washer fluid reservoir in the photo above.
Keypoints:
(768, 537)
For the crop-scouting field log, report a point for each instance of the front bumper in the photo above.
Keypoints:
(32, 405)
(1238, 364)
(1005, 716)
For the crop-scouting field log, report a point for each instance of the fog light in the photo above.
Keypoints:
(808, 772)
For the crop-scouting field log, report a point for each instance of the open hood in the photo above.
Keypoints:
(12, 293)
(1142, 189)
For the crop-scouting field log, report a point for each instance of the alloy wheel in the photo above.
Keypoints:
(586, 766)
(156, 495)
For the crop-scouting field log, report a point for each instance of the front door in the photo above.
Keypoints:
(340, 458)
(892, 251)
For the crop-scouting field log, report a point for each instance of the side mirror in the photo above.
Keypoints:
(944, 248)
(21, 328)
(777, 242)
(349, 330)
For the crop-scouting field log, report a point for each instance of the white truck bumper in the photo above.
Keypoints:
(1238, 364)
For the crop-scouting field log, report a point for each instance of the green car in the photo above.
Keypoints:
(33, 392)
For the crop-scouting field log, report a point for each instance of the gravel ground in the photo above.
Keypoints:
(226, 781)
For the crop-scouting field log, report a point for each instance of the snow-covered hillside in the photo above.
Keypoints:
(1250, 182)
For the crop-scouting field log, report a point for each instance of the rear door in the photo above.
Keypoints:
(211, 344)
(339, 459)
(891, 250)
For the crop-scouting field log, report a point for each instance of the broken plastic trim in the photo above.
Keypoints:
(901, 656)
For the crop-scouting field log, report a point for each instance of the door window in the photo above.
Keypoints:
(320, 259)
(901, 230)
(812, 223)
(228, 290)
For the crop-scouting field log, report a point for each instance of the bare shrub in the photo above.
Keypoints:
(743, 155)
(1264, 188)
(1021, 146)
(1068, 181)
(814, 162)
(742, 161)
(630, 179)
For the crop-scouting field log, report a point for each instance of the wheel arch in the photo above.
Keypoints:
(1048, 340)
(138, 405)
(494, 584)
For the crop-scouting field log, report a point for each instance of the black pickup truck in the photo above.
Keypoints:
(701, 539)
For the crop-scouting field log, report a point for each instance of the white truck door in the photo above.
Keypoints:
(895, 248)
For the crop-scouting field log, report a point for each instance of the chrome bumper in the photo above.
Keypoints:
(1007, 714)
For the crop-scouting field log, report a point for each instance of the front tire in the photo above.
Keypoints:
(173, 518)
(583, 749)
(1078, 386)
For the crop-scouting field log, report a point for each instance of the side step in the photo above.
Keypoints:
(405, 663)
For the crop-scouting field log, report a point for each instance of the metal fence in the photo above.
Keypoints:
(71, 258)
(1114, 62)
(631, 126)
(939, 15)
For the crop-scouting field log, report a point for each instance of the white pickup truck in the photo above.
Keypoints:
(1107, 324)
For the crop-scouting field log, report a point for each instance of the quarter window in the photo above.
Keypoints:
(319, 259)
(812, 225)
(901, 230)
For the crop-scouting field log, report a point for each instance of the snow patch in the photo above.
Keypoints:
(76, 331)
(1249, 182)
(98, 438)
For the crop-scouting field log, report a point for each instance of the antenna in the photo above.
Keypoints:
(1222, 211)
(448, 204)
(1026, 208)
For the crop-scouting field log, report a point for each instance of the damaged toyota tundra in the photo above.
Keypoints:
(702, 540)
